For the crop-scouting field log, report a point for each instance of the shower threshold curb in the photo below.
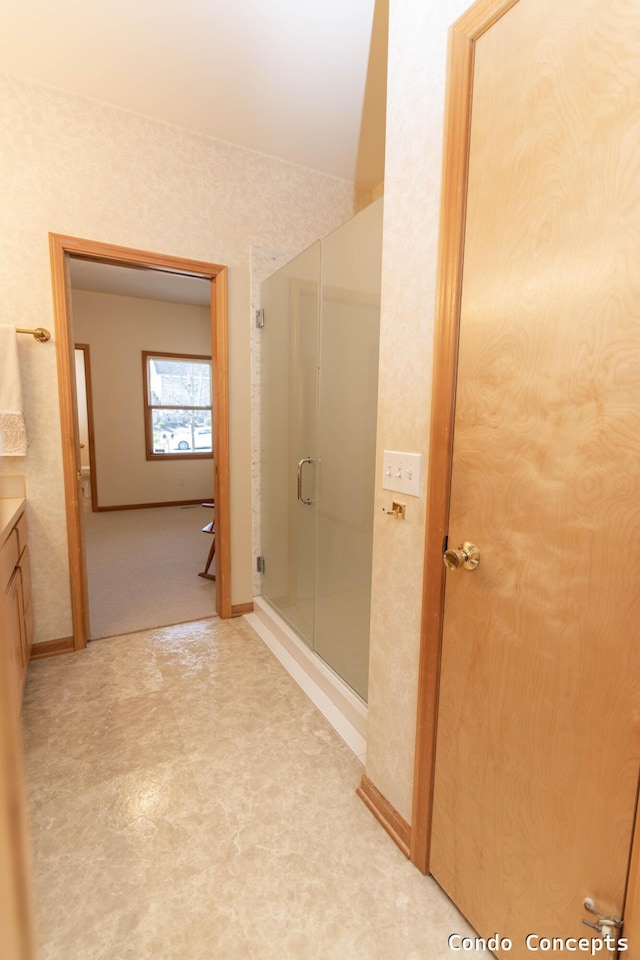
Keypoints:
(345, 711)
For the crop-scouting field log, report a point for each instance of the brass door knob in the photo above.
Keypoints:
(467, 555)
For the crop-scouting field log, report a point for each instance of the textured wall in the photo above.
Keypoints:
(73, 166)
(69, 165)
(415, 111)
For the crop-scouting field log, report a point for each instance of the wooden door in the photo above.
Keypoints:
(538, 736)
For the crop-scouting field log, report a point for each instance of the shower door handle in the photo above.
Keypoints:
(300, 465)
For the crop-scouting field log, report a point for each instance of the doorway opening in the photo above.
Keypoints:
(147, 461)
(69, 252)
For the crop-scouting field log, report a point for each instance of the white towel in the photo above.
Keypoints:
(13, 433)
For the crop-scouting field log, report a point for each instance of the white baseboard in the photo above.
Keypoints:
(345, 711)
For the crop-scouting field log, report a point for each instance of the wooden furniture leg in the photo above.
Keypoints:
(209, 528)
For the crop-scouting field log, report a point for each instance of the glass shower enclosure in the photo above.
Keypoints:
(319, 387)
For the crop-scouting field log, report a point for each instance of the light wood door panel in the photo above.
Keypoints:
(539, 719)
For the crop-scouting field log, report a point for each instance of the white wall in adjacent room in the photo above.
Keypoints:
(117, 330)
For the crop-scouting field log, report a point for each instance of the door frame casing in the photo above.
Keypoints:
(462, 37)
(60, 248)
(93, 473)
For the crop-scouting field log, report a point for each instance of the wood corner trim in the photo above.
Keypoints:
(146, 506)
(52, 648)
(239, 609)
(386, 815)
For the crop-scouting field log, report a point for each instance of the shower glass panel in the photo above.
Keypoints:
(319, 375)
(289, 412)
(349, 337)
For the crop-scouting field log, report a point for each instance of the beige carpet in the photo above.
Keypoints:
(143, 569)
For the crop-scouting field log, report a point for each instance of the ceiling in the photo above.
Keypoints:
(122, 281)
(303, 80)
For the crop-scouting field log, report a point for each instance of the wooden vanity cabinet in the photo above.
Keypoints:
(16, 612)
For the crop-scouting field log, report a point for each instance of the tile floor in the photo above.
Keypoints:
(188, 802)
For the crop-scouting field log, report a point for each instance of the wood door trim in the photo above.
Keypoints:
(112, 508)
(239, 609)
(60, 246)
(462, 37)
(93, 470)
(52, 648)
(386, 815)
(67, 398)
(220, 412)
(631, 927)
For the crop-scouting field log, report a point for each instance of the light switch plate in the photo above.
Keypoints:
(402, 472)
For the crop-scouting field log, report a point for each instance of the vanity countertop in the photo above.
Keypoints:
(10, 510)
